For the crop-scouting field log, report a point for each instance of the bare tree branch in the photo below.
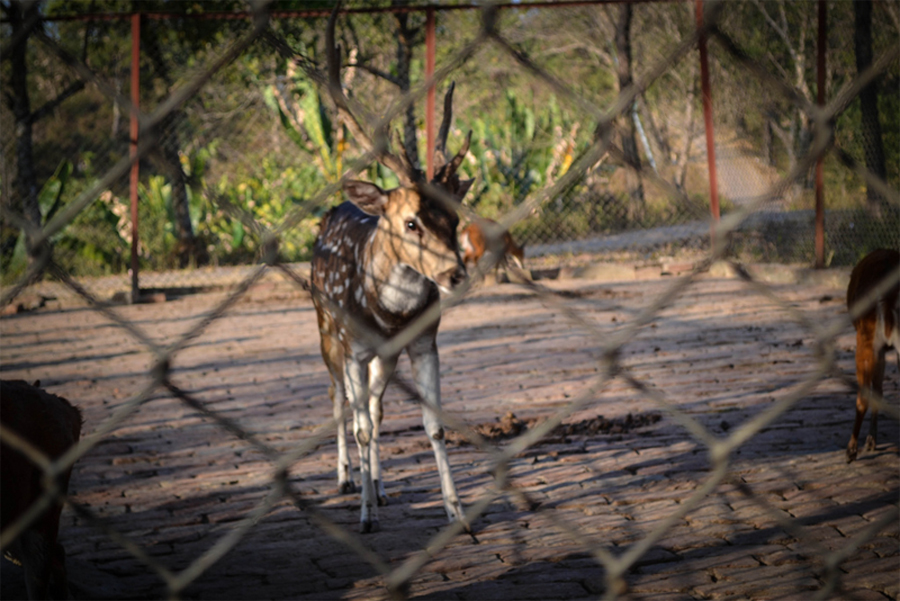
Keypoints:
(376, 72)
(51, 105)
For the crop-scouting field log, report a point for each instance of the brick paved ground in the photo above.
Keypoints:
(175, 484)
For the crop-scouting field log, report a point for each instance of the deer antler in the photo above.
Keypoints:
(440, 146)
(379, 147)
(447, 169)
(458, 159)
(447, 172)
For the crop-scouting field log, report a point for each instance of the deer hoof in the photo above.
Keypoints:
(370, 526)
(870, 443)
(346, 488)
(456, 514)
(382, 500)
(851, 453)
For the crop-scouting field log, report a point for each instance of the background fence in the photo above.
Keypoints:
(257, 137)
(586, 121)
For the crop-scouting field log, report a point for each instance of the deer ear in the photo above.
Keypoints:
(464, 186)
(367, 196)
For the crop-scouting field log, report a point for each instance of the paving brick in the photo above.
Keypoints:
(754, 511)
(875, 514)
(845, 494)
(757, 536)
(176, 482)
(750, 583)
(880, 577)
(777, 555)
(868, 564)
(811, 508)
(699, 559)
(883, 546)
(507, 590)
(849, 525)
(677, 582)
(860, 594)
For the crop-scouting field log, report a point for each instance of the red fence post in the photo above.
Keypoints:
(135, 103)
(429, 100)
(820, 170)
(708, 119)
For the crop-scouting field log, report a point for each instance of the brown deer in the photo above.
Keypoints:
(52, 425)
(475, 243)
(379, 262)
(876, 331)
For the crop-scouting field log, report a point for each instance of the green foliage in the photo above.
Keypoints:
(259, 139)
(71, 241)
(90, 245)
(525, 150)
(230, 215)
(268, 199)
(98, 241)
(306, 122)
(15, 264)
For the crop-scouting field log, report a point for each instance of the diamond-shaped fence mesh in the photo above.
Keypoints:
(638, 437)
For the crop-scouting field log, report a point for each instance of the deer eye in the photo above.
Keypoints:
(412, 226)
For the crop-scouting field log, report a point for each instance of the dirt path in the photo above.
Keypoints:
(175, 483)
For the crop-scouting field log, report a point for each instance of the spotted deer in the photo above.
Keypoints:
(379, 262)
(51, 425)
(876, 331)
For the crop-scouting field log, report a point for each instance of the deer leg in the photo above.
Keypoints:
(423, 357)
(338, 401)
(877, 387)
(865, 369)
(380, 372)
(356, 382)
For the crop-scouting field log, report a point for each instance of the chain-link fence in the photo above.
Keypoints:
(585, 121)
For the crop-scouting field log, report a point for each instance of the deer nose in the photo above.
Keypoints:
(450, 279)
(458, 275)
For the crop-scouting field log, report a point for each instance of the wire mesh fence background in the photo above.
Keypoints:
(238, 121)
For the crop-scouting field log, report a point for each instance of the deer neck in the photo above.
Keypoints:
(392, 286)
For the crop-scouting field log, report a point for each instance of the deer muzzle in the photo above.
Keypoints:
(450, 279)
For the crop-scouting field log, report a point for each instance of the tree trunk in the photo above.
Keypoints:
(405, 42)
(768, 142)
(868, 99)
(635, 207)
(26, 177)
(184, 230)
(186, 250)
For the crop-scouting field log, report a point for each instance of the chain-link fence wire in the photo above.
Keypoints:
(760, 133)
(96, 124)
(260, 150)
(163, 122)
